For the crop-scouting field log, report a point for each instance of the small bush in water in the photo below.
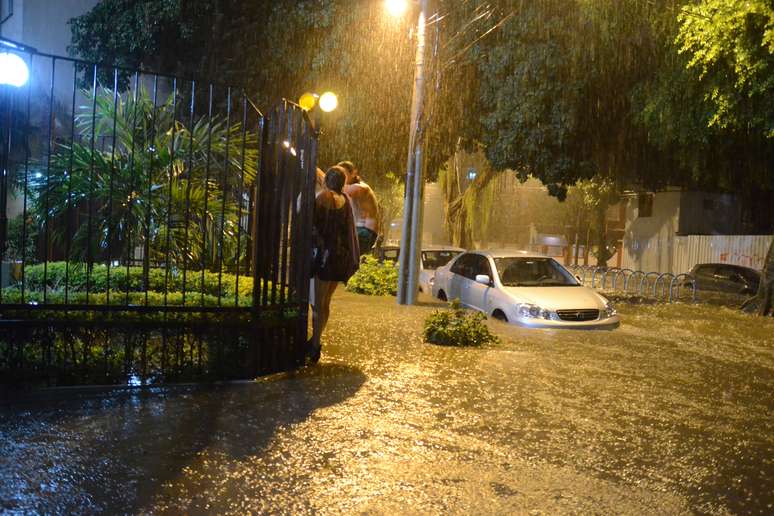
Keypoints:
(374, 278)
(458, 327)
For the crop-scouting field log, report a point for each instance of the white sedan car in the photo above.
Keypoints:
(433, 256)
(523, 288)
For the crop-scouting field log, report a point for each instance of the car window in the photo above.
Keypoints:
(705, 270)
(431, 260)
(480, 266)
(532, 272)
(726, 272)
(391, 255)
(460, 264)
(464, 265)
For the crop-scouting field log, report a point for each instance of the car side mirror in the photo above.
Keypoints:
(483, 279)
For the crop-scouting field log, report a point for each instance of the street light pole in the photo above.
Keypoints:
(411, 236)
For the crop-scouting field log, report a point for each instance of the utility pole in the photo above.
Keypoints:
(411, 236)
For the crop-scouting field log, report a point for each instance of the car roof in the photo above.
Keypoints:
(725, 265)
(507, 253)
(429, 248)
(442, 248)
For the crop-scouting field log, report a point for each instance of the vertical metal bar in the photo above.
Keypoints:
(297, 198)
(287, 205)
(129, 219)
(6, 103)
(26, 188)
(149, 201)
(68, 213)
(241, 197)
(276, 237)
(256, 215)
(48, 178)
(89, 201)
(307, 221)
(268, 201)
(188, 186)
(169, 200)
(109, 232)
(206, 214)
(223, 182)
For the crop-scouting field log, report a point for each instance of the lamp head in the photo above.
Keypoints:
(13, 70)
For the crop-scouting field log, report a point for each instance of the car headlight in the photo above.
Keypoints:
(610, 310)
(530, 311)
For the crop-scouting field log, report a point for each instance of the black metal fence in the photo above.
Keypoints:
(151, 228)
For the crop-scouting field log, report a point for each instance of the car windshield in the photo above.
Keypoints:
(431, 260)
(533, 272)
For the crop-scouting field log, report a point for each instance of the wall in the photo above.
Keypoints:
(746, 250)
(648, 243)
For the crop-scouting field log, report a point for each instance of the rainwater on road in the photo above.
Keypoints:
(671, 413)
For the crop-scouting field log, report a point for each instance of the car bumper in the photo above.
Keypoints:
(608, 323)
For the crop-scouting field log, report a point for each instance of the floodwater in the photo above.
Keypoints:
(671, 413)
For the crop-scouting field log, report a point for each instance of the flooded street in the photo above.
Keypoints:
(671, 413)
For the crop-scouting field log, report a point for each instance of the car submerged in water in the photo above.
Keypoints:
(433, 256)
(523, 288)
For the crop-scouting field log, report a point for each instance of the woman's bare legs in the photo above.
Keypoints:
(321, 310)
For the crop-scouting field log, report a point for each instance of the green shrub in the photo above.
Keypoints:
(56, 273)
(458, 327)
(374, 278)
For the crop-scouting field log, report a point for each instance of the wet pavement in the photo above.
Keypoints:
(671, 413)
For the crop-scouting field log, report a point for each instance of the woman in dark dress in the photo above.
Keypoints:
(336, 250)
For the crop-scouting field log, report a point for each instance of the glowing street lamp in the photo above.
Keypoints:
(13, 70)
(396, 8)
(328, 101)
(307, 101)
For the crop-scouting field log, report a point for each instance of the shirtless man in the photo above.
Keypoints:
(365, 207)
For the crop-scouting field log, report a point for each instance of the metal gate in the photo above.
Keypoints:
(152, 228)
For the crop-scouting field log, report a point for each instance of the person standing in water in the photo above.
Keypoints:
(336, 255)
(364, 205)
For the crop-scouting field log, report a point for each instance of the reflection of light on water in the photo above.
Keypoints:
(134, 380)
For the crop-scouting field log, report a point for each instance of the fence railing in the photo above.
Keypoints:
(137, 200)
(662, 286)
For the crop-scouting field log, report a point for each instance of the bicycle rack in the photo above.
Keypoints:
(645, 279)
(675, 284)
(621, 272)
(658, 294)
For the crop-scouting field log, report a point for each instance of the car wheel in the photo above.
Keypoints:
(500, 315)
(442, 295)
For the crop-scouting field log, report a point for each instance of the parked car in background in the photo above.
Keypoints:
(433, 256)
(724, 277)
(523, 288)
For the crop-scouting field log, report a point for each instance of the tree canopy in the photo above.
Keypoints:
(643, 93)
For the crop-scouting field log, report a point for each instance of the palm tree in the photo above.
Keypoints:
(138, 178)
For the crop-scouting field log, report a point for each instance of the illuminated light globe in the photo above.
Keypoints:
(13, 70)
(396, 7)
(328, 101)
(307, 101)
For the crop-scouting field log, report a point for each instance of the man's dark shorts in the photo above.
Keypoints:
(366, 239)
